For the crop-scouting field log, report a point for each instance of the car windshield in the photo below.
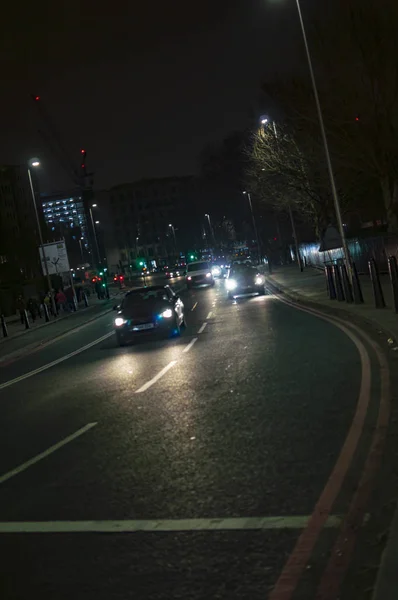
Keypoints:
(144, 297)
(200, 266)
(242, 270)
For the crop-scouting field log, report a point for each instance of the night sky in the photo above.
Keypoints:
(141, 86)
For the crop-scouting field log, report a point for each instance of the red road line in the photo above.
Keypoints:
(344, 545)
(298, 559)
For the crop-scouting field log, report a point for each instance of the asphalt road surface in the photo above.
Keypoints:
(179, 469)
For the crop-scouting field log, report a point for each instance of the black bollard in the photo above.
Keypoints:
(338, 284)
(330, 283)
(85, 299)
(393, 271)
(4, 326)
(45, 310)
(356, 286)
(26, 319)
(346, 284)
(376, 285)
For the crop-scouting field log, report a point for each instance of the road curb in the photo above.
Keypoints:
(339, 311)
(11, 356)
(386, 586)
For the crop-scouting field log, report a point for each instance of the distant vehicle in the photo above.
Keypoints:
(244, 279)
(149, 310)
(173, 272)
(199, 273)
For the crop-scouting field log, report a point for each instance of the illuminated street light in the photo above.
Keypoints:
(34, 162)
(254, 223)
(264, 121)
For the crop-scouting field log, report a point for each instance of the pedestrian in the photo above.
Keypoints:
(70, 297)
(32, 308)
(47, 302)
(61, 300)
(21, 307)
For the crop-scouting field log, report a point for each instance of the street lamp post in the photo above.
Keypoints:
(254, 224)
(326, 145)
(211, 228)
(36, 163)
(174, 237)
(81, 249)
(95, 233)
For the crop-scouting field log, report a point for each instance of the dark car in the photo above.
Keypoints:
(173, 272)
(149, 310)
(244, 279)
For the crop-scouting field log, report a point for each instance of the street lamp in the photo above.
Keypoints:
(254, 223)
(211, 228)
(36, 163)
(81, 248)
(95, 233)
(174, 237)
(326, 145)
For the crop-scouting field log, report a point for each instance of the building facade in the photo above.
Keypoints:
(150, 219)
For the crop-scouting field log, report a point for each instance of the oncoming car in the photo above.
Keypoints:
(199, 273)
(149, 310)
(244, 279)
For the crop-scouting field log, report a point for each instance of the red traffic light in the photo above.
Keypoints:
(37, 98)
(121, 277)
(83, 151)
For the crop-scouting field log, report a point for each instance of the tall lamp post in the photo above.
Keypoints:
(95, 233)
(326, 145)
(264, 121)
(174, 237)
(36, 163)
(211, 228)
(254, 224)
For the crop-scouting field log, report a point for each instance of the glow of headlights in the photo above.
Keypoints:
(167, 314)
(216, 271)
(189, 278)
(231, 284)
(259, 280)
(208, 274)
(119, 321)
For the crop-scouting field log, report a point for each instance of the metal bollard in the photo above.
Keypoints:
(393, 272)
(330, 283)
(26, 319)
(376, 285)
(4, 326)
(356, 286)
(338, 284)
(45, 310)
(346, 284)
(85, 299)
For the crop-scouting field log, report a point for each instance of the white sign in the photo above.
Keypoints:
(56, 257)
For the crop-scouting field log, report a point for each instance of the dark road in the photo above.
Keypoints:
(182, 468)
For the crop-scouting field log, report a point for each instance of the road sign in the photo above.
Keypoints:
(330, 240)
(56, 256)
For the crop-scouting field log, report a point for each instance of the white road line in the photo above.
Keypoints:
(191, 343)
(54, 362)
(194, 306)
(209, 316)
(149, 383)
(46, 453)
(202, 327)
(131, 526)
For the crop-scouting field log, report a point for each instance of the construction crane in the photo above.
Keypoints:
(80, 177)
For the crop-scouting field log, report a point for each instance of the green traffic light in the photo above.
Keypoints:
(101, 272)
(141, 264)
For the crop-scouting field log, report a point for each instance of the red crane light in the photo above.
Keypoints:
(83, 151)
(83, 166)
(37, 98)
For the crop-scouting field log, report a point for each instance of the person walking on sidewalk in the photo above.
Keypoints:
(21, 307)
(61, 301)
(32, 308)
(47, 302)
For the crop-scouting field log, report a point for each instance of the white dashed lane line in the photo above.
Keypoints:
(191, 343)
(149, 383)
(202, 327)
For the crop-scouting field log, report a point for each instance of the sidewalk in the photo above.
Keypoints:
(21, 340)
(310, 286)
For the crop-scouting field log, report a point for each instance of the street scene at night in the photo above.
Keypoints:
(199, 302)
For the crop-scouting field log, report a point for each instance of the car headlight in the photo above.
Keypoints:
(216, 271)
(189, 278)
(119, 321)
(259, 280)
(208, 274)
(166, 314)
(231, 284)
